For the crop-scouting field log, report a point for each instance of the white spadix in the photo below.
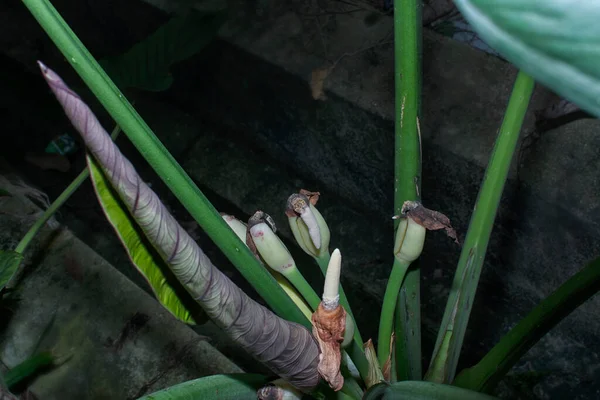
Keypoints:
(331, 291)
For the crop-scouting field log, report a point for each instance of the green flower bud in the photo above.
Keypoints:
(271, 249)
(410, 238)
(308, 225)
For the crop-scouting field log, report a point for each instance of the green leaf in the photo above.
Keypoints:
(484, 376)
(420, 390)
(554, 41)
(146, 64)
(9, 262)
(464, 287)
(28, 368)
(167, 289)
(221, 387)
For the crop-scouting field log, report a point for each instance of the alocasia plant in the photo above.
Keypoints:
(287, 348)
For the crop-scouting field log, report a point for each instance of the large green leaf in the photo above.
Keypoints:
(9, 262)
(420, 390)
(222, 387)
(169, 292)
(487, 373)
(555, 41)
(28, 368)
(146, 64)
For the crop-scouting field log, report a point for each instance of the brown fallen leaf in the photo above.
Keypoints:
(430, 219)
(317, 81)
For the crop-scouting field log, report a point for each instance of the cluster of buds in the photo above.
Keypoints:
(332, 329)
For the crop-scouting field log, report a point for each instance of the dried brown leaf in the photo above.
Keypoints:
(328, 329)
(313, 197)
(430, 219)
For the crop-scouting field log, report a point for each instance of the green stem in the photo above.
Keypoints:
(166, 167)
(466, 278)
(484, 376)
(60, 200)
(304, 288)
(56, 204)
(386, 321)
(407, 167)
(28, 368)
(408, 321)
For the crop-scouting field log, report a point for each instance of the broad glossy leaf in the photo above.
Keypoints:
(221, 387)
(421, 390)
(169, 292)
(554, 41)
(9, 262)
(146, 64)
(28, 368)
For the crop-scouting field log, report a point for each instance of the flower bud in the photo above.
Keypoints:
(271, 249)
(410, 238)
(308, 225)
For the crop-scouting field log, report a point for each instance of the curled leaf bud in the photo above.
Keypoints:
(307, 224)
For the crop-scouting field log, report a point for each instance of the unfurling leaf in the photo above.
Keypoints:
(287, 348)
(169, 292)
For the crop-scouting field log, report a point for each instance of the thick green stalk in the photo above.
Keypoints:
(408, 355)
(407, 167)
(161, 160)
(484, 376)
(386, 321)
(56, 204)
(304, 288)
(464, 287)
